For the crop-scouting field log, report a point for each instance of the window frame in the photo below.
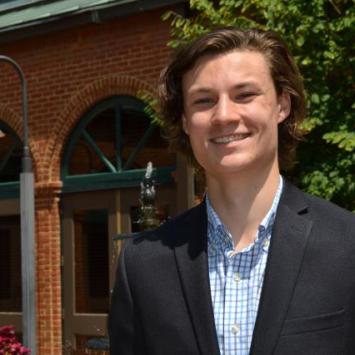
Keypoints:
(117, 177)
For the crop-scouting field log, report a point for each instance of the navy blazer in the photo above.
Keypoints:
(161, 303)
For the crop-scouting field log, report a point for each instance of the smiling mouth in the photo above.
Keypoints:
(230, 138)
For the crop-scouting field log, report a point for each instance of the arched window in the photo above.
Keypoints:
(10, 161)
(111, 146)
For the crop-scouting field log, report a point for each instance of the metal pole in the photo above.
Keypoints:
(27, 226)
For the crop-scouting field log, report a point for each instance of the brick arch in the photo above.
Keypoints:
(78, 105)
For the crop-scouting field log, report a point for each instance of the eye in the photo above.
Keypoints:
(202, 101)
(245, 96)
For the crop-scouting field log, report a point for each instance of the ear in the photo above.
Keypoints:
(184, 125)
(284, 106)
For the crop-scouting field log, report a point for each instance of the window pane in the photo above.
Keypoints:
(91, 261)
(84, 160)
(134, 125)
(11, 170)
(156, 151)
(102, 130)
(10, 264)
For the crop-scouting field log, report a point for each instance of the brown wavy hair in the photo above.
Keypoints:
(283, 69)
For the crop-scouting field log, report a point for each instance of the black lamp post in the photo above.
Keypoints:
(27, 225)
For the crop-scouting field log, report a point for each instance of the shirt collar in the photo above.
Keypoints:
(219, 235)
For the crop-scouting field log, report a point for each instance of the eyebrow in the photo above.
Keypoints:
(240, 86)
(199, 90)
(245, 85)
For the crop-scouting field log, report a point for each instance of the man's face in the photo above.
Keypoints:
(231, 112)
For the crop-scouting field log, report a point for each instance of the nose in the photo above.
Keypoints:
(225, 111)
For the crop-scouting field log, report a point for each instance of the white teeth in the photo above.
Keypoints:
(228, 139)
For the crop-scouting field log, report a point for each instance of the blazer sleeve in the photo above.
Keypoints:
(121, 316)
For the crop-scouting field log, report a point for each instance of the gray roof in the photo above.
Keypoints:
(15, 15)
(32, 12)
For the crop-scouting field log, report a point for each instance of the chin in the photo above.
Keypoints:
(236, 165)
(236, 162)
(227, 169)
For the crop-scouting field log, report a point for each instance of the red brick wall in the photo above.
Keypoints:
(67, 73)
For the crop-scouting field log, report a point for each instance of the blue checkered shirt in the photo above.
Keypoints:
(236, 279)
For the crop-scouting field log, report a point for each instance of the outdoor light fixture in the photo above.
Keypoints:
(27, 225)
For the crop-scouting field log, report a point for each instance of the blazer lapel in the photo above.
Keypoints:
(288, 243)
(192, 263)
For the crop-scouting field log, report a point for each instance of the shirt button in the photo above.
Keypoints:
(236, 277)
(266, 243)
(235, 329)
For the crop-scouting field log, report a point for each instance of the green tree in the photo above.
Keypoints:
(320, 34)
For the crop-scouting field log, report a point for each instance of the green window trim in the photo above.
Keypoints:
(119, 174)
(107, 181)
(10, 189)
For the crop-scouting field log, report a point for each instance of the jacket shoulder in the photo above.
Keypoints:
(318, 209)
(327, 209)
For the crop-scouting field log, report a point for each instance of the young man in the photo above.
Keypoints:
(259, 267)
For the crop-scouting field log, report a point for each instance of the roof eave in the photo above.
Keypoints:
(93, 15)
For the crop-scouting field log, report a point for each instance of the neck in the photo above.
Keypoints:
(242, 202)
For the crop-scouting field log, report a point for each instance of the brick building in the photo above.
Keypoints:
(85, 62)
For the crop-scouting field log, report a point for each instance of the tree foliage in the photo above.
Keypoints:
(320, 34)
